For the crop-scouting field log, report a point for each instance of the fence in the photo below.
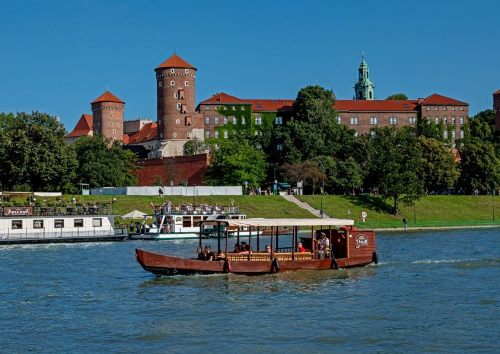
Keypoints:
(190, 191)
(428, 223)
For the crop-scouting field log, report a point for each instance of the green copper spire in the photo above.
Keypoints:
(364, 88)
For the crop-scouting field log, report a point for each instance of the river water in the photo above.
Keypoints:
(432, 292)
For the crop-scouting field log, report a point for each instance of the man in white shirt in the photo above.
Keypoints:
(323, 246)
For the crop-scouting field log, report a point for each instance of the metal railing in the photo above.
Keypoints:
(6, 234)
(425, 223)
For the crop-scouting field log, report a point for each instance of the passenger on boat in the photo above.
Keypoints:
(324, 246)
(300, 247)
(268, 249)
(209, 255)
(237, 248)
(244, 247)
(220, 256)
(201, 255)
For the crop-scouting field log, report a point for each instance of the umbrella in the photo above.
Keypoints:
(136, 214)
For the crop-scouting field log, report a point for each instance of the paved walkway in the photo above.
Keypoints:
(305, 206)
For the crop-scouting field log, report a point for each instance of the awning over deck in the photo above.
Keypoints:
(260, 222)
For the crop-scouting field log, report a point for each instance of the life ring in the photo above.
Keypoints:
(375, 258)
(275, 266)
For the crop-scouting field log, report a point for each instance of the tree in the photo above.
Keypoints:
(194, 147)
(101, 164)
(479, 167)
(308, 172)
(235, 162)
(395, 164)
(346, 176)
(438, 168)
(397, 96)
(34, 153)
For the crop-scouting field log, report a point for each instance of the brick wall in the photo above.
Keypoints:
(108, 119)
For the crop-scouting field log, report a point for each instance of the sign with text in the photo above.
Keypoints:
(17, 211)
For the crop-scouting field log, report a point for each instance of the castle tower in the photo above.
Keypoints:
(177, 119)
(496, 108)
(107, 111)
(364, 88)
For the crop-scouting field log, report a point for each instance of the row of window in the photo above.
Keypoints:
(172, 83)
(444, 108)
(445, 120)
(445, 134)
(225, 134)
(58, 223)
(186, 71)
(394, 120)
(258, 120)
(207, 108)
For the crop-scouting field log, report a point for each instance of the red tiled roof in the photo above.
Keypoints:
(496, 92)
(271, 105)
(83, 127)
(148, 132)
(175, 61)
(376, 105)
(125, 139)
(224, 98)
(107, 97)
(436, 99)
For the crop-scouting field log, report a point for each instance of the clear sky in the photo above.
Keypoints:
(57, 56)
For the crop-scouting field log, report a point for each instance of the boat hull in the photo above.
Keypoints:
(168, 265)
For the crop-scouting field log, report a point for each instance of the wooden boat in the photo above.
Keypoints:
(349, 247)
(183, 222)
(23, 225)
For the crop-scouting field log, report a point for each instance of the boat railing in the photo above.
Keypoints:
(264, 256)
(68, 210)
(6, 234)
(202, 210)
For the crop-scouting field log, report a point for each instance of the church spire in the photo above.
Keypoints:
(364, 88)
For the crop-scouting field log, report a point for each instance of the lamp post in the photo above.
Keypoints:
(493, 196)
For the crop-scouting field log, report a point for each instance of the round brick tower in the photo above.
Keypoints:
(107, 111)
(175, 84)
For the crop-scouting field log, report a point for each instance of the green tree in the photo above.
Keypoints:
(346, 176)
(194, 147)
(309, 172)
(34, 153)
(438, 168)
(235, 162)
(104, 164)
(479, 167)
(397, 96)
(395, 164)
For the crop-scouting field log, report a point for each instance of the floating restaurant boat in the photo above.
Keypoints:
(183, 222)
(348, 247)
(25, 225)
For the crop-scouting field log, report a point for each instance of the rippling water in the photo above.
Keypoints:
(432, 292)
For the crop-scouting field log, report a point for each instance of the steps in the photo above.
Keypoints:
(305, 206)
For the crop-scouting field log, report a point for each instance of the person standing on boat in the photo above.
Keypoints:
(324, 245)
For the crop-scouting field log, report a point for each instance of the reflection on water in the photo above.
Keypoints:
(429, 293)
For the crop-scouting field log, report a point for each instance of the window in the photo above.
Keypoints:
(160, 84)
(225, 134)
(339, 120)
(243, 120)
(235, 120)
(258, 120)
(453, 134)
(393, 120)
(207, 134)
(436, 108)
(373, 120)
(354, 120)
(172, 70)
(184, 108)
(234, 108)
(453, 120)
(225, 120)
(172, 83)
(445, 109)
(428, 108)
(445, 120)
(412, 120)
(114, 131)
(186, 83)
(176, 95)
(78, 223)
(278, 120)
(452, 108)
(179, 105)
(186, 71)
(97, 222)
(207, 108)
(461, 120)
(462, 134)
(225, 108)
(436, 120)
(207, 120)
(17, 224)
(59, 223)
(118, 124)
(38, 224)
(461, 108)
(216, 120)
(445, 134)
(216, 133)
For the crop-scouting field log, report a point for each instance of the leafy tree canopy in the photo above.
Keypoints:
(397, 96)
(480, 167)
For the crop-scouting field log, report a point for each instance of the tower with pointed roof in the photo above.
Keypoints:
(496, 108)
(364, 88)
(177, 119)
(107, 111)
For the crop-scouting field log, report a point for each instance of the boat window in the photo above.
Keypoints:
(17, 224)
(38, 224)
(78, 222)
(196, 220)
(186, 221)
(96, 222)
(59, 223)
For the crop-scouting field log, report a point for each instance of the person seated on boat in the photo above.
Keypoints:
(209, 255)
(220, 256)
(300, 248)
(237, 248)
(323, 246)
(201, 255)
(243, 246)
(268, 249)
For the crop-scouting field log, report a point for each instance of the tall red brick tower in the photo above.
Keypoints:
(496, 108)
(107, 110)
(177, 119)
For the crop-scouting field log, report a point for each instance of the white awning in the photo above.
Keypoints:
(259, 222)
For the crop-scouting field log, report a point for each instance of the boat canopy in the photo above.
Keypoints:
(261, 222)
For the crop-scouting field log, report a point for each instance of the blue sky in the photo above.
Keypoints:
(58, 56)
